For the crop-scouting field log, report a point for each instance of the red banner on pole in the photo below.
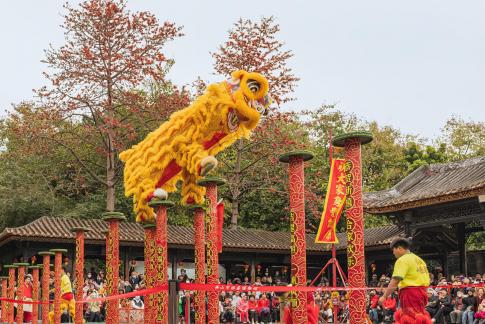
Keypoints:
(334, 203)
(220, 224)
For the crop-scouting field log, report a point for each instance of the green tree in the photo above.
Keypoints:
(464, 139)
(417, 155)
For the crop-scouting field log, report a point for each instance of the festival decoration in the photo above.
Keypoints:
(220, 224)
(199, 262)
(212, 253)
(55, 316)
(4, 317)
(355, 220)
(79, 231)
(20, 290)
(334, 203)
(46, 261)
(35, 292)
(11, 291)
(150, 264)
(112, 263)
(183, 148)
(297, 226)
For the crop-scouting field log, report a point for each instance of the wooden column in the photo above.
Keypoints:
(113, 263)
(161, 258)
(296, 170)
(46, 263)
(35, 292)
(4, 317)
(20, 290)
(199, 262)
(212, 252)
(355, 220)
(11, 290)
(57, 283)
(461, 238)
(149, 310)
(79, 266)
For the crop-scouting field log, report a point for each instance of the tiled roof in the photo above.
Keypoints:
(429, 185)
(57, 229)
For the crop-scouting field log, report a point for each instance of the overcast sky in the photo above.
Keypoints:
(410, 64)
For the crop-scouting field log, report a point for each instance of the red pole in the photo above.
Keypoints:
(79, 231)
(297, 225)
(4, 317)
(46, 263)
(5, 305)
(20, 290)
(35, 293)
(199, 260)
(113, 263)
(57, 283)
(11, 291)
(161, 253)
(355, 221)
(149, 310)
(212, 257)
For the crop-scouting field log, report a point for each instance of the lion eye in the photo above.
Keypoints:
(253, 85)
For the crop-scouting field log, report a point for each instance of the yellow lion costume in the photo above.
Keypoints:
(183, 148)
(65, 306)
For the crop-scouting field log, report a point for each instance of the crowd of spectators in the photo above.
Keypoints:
(450, 301)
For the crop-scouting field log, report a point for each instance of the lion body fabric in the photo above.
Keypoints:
(173, 152)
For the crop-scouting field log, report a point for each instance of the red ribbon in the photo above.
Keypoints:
(223, 287)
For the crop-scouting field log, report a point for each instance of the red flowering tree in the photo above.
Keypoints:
(107, 87)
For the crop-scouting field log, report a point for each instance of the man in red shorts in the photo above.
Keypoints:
(411, 277)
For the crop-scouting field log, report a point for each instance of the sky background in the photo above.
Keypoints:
(409, 64)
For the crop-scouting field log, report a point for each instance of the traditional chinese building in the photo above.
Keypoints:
(438, 205)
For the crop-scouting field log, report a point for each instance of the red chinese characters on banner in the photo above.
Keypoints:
(334, 203)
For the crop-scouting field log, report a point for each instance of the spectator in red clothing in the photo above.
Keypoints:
(263, 309)
(373, 306)
(28, 297)
(252, 309)
(389, 308)
(312, 311)
(242, 309)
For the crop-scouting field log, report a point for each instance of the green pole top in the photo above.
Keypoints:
(305, 155)
(155, 202)
(363, 137)
(149, 225)
(21, 264)
(204, 182)
(3, 277)
(10, 266)
(193, 207)
(108, 216)
(46, 253)
(80, 229)
(35, 267)
(58, 250)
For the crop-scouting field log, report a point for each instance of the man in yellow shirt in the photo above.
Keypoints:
(67, 297)
(411, 277)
